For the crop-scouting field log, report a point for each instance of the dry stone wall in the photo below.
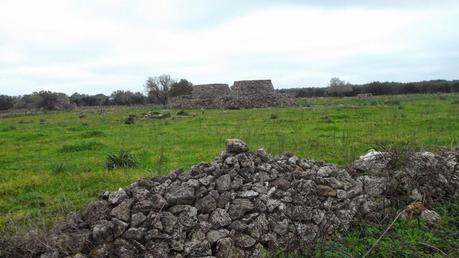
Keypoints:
(245, 202)
(243, 94)
(205, 91)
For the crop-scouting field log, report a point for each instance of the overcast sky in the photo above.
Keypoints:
(98, 46)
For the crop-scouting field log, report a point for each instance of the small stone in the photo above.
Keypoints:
(122, 211)
(226, 249)
(248, 194)
(415, 195)
(134, 233)
(239, 207)
(244, 241)
(103, 231)
(158, 202)
(206, 204)
(325, 190)
(280, 227)
(181, 195)
(341, 194)
(236, 146)
(224, 183)
(215, 235)
(168, 221)
(220, 218)
(119, 227)
(430, 217)
(281, 183)
(137, 219)
(117, 197)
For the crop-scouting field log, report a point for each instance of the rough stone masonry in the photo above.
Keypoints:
(243, 94)
(244, 202)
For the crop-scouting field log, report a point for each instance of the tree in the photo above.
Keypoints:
(6, 102)
(338, 87)
(121, 97)
(182, 87)
(158, 88)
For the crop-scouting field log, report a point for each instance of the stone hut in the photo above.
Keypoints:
(243, 94)
(208, 91)
(252, 88)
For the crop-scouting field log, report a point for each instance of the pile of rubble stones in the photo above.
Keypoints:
(246, 202)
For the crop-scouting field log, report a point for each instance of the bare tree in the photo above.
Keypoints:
(158, 88)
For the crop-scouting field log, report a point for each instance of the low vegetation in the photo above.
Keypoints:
(52, 157)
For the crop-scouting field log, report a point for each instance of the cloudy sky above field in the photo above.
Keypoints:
(99, 46)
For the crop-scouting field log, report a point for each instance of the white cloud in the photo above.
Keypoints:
(100, 46)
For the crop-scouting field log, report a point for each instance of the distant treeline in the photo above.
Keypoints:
(376, 88)
(159, 89)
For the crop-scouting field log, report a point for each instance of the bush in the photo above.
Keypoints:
(122, 159)
(182, 113)
(273, 116)
(130, 120)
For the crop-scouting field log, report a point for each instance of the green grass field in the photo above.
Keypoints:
(54, 162)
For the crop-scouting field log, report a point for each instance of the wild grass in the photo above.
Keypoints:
(122, 159)
(336, 130)
(83, 146)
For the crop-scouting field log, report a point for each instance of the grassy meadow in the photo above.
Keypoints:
(54, 162)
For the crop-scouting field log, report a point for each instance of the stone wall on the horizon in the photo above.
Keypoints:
(242, 94)
(204, 91)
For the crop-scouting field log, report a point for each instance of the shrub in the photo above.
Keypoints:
(182, 113)
(273, 116)
(122, 159)
(130, 120)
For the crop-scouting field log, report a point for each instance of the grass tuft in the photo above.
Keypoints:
(122, 159)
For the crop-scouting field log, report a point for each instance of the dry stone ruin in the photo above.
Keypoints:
(243, 94)
(245, 202)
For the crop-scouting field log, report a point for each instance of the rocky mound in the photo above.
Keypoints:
(245, 202)
(243, 94)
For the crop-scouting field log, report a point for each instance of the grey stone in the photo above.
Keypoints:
(158, 202)
(122, 211)
(236, 146)
(119, 227)
(180, 195)
(206, 204)
(137, 219)
(239, 207)
(215, 235)
(244, 241)
(134, 233)
(227, 249)
(117, 197)
(430, 217)
(103, 231)
(280, 227)
(220, 218)
(224, 183)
